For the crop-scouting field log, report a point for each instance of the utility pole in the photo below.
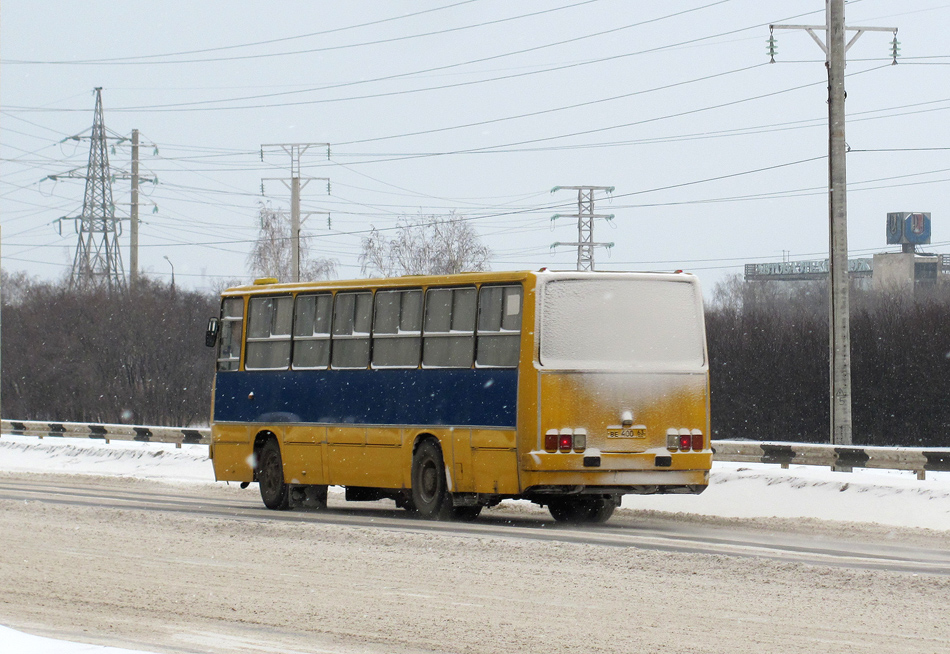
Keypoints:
(134, 214)
(296, 183)
(585, 223)
(834, 47)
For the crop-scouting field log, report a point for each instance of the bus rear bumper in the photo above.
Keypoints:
(662, 461)
(643, 482)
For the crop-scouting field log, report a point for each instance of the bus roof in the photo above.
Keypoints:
(270, 285)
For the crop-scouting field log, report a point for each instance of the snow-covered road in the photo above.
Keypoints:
(737, 491)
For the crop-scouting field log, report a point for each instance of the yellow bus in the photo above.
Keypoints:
(450, 393)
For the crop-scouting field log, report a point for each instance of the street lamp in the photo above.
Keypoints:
(173, 270)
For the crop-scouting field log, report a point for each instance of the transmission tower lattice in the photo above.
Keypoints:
(98, 261)
(585, 223)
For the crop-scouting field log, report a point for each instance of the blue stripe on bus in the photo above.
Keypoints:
(463, 397)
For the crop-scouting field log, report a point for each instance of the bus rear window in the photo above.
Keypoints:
(622, 324)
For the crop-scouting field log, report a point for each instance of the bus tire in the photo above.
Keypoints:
(430, 497)
(582, 510)
(466, 513)
(270, 477)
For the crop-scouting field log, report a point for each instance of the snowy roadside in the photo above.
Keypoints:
(737, 490)
(17, 642)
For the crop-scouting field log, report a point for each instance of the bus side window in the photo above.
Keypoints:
(449, 337)
(268, 333)
(229, 340)
(499, 326)
(352, 319)
(397, 329)
(312, 331)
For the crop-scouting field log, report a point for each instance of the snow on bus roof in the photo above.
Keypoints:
(270, 284)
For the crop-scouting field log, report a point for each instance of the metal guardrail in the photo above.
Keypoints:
(106, 432)
(917, 459)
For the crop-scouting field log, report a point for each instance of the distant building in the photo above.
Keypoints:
(885, 271)
(904, 270)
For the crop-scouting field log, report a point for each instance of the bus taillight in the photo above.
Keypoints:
(672, 439)
(550, 440)
(697, 440)
(580, 440)
(686, 440)
(566, 442)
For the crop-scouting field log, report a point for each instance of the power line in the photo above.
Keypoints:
(244, 45)
(542, 112)
(347, 46)
(199, 105)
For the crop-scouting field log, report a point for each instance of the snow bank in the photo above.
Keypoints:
(158, 461)
(753, 490)
(17, 642)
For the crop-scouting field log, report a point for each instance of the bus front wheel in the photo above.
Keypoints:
(430, 497)
(270, 477)
(582, 509)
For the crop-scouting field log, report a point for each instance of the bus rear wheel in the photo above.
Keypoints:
(582, 510)
(270, 477)
(429, 495)
(466, 513)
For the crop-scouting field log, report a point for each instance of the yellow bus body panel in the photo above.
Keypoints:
(495, 461)
(382, 457)
(233, 452)
(302, 453)
(596, 401)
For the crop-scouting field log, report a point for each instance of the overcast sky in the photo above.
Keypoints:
(478, 107)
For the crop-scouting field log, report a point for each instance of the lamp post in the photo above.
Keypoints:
(173, 271)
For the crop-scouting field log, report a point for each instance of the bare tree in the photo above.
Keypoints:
(87, 355)
(272, 254)
(426, 245)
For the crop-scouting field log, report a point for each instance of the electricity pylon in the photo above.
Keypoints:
(585, 223)
(98, 261)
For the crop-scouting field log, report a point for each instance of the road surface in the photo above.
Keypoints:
(198, 568)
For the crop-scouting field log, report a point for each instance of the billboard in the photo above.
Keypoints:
(904, 227)
(802, 270)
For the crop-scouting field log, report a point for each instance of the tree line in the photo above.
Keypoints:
(769, 365)
(87, 355)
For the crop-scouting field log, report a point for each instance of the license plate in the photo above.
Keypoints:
(629, 432)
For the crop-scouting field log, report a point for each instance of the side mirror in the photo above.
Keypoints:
(211, 336)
